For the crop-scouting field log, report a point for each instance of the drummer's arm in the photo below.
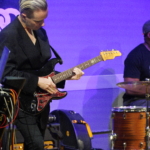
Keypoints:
(140, 92)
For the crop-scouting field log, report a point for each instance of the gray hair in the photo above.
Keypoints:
(29, 6)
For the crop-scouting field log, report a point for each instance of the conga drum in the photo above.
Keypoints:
(129, 126)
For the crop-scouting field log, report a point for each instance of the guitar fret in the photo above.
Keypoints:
(82, 66)
(99, 58)
(62, 76)
(68, 74)
(89, 63)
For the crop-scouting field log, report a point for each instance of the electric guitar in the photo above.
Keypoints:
(43, 97)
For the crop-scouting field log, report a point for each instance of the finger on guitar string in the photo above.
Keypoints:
(77, 73)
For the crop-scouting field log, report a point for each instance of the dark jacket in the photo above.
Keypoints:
(24, 57)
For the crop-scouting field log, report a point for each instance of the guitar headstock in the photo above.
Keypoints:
(110, 54)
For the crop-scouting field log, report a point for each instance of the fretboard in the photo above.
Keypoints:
(69, 73)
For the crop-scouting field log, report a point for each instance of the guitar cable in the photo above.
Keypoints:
(12, 116)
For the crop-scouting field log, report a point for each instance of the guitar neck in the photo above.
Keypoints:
(69, 73)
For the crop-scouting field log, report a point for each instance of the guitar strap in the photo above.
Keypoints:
(56, 54)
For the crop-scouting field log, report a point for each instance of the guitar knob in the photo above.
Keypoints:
(40, 107)
(41, 101)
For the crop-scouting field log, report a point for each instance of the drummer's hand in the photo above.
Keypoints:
(47, 85)
(77, 74)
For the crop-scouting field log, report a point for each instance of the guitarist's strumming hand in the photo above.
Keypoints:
(47, 85)
(77, 74)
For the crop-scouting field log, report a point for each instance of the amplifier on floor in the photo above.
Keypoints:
(76, 132)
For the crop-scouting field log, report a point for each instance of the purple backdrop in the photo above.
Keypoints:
(79, 30)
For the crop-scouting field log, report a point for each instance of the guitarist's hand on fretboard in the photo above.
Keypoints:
(77, 74)
(47, 85)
